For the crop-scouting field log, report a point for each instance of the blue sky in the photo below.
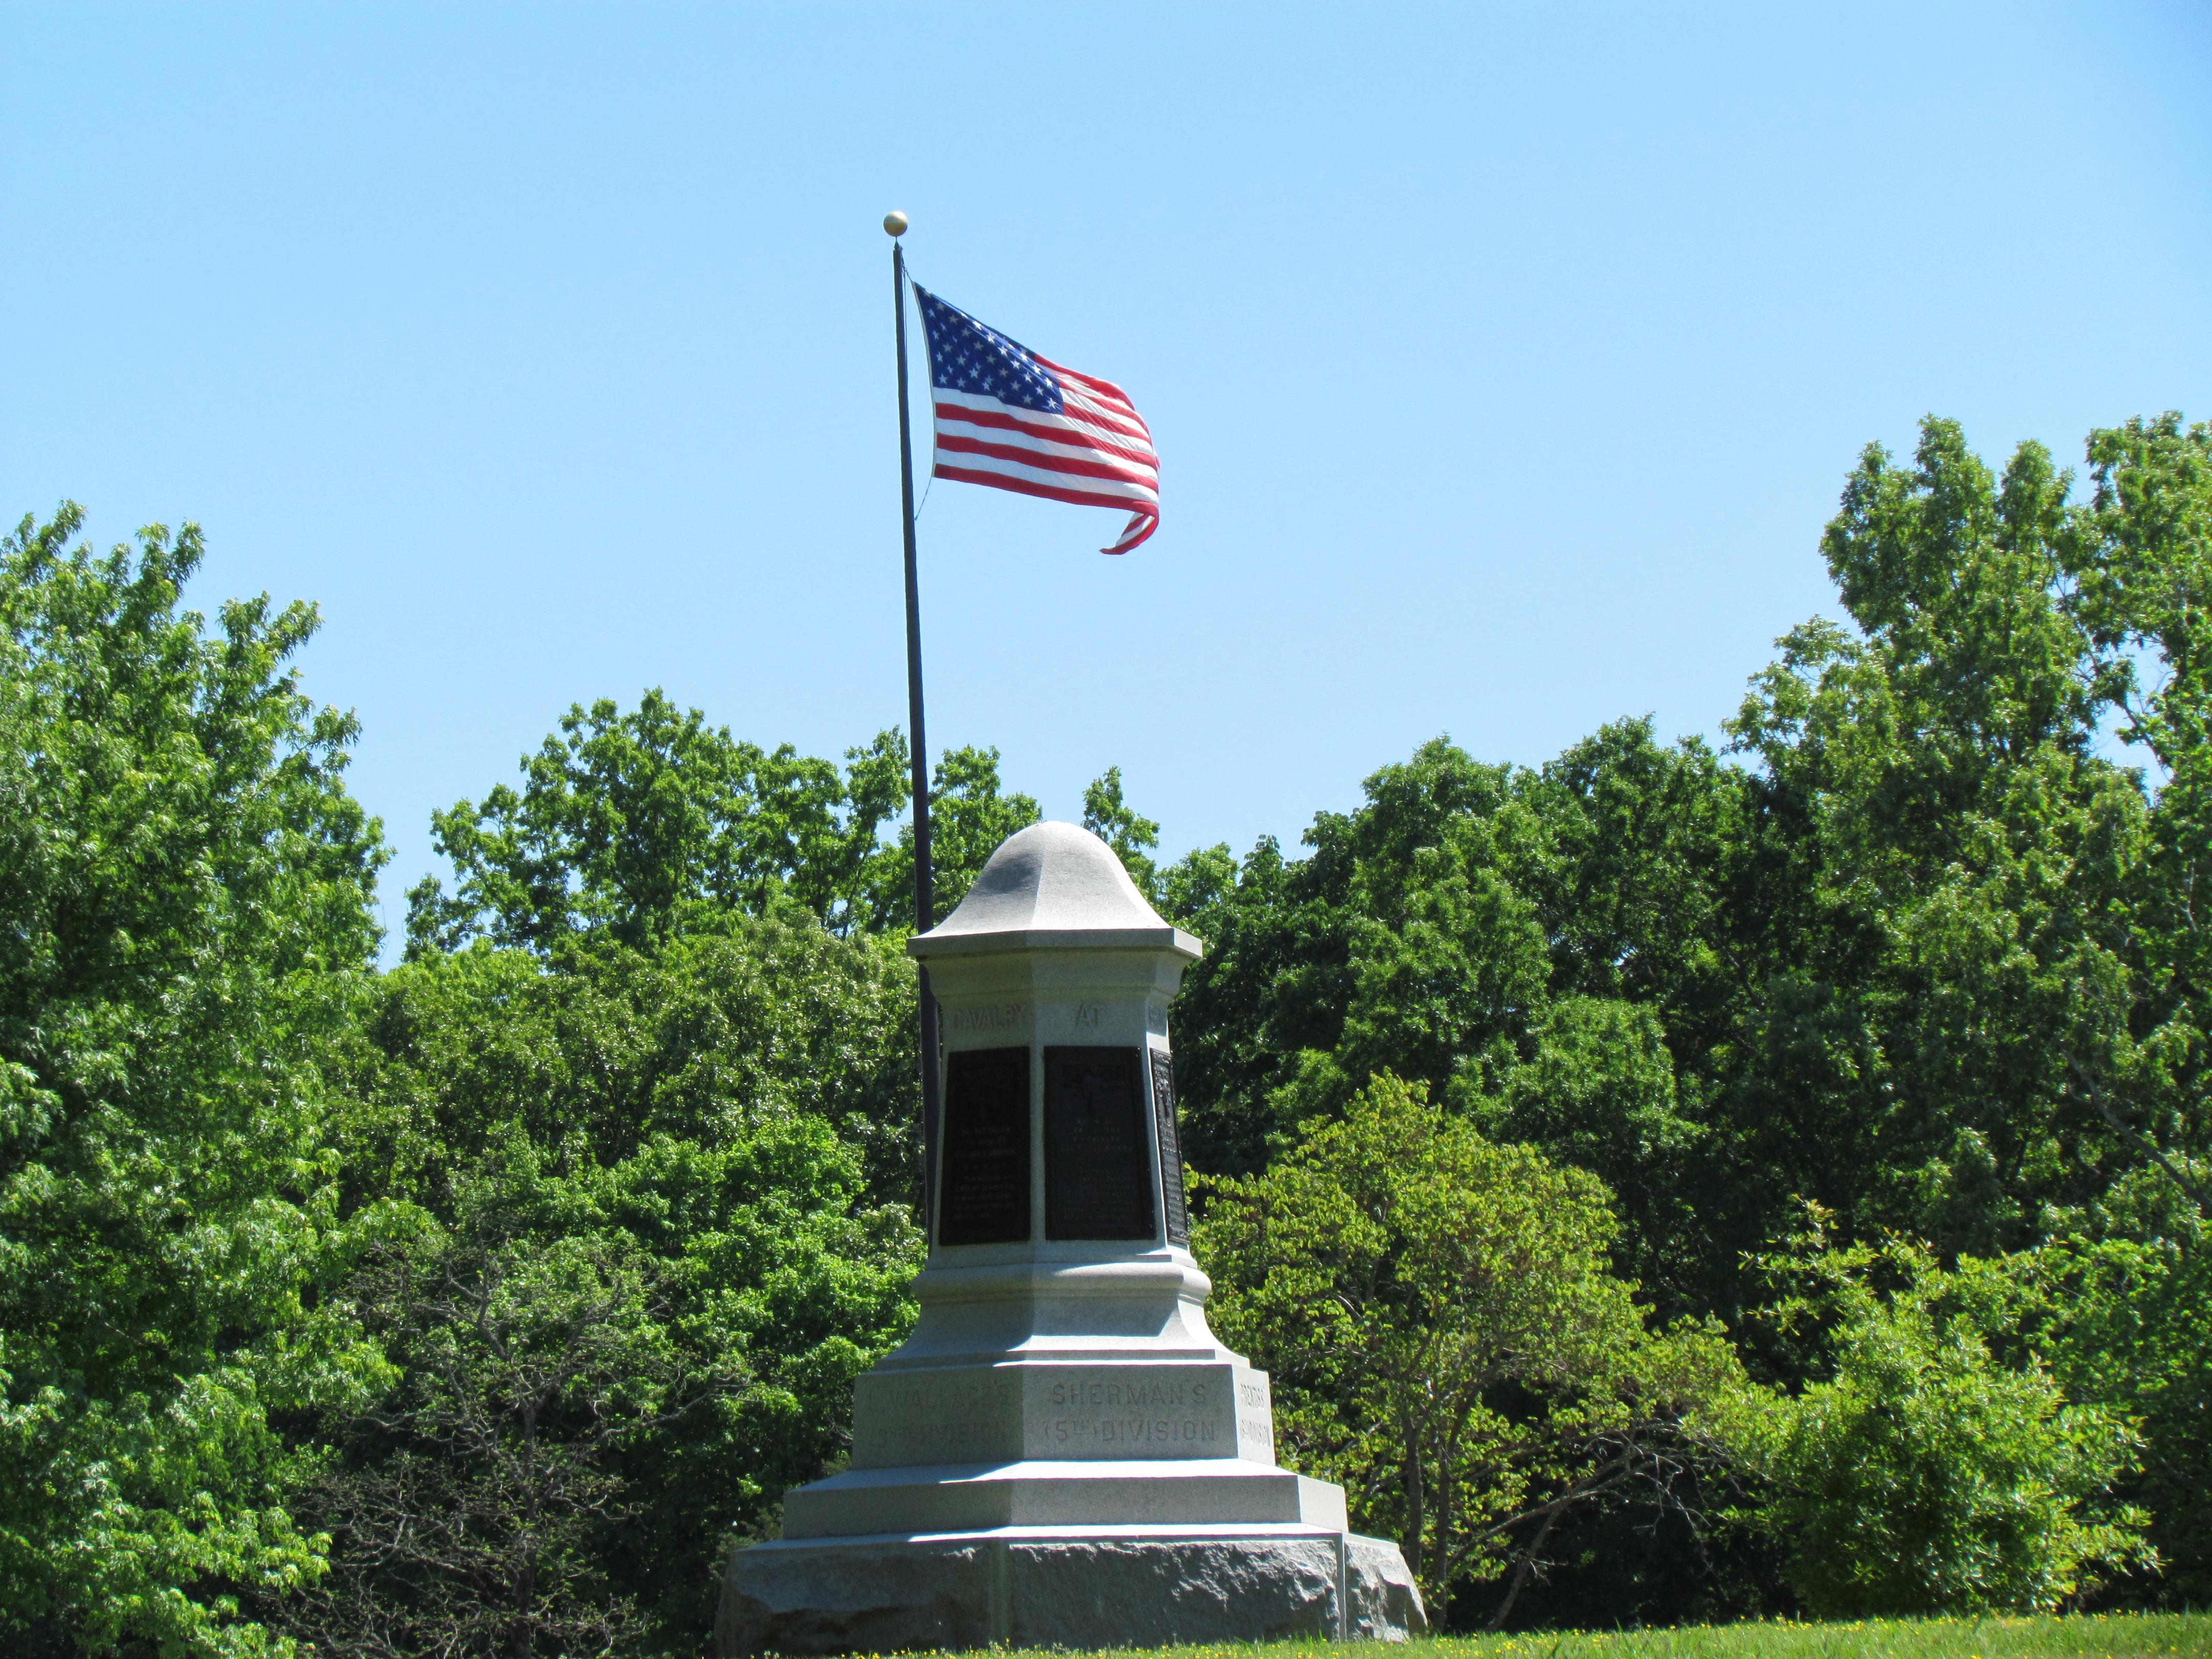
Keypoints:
(1504, 363)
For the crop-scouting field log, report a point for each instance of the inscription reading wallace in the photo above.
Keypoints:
(1163, 1116)
(984, 1170)
(1097, 1156)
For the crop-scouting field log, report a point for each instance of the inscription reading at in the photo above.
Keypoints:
(1097, 1155)
(1163, 1115)
(984, 1169)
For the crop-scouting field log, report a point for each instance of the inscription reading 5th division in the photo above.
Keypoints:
(1133, 1430)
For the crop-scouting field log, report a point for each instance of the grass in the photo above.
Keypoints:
(2117, 1636)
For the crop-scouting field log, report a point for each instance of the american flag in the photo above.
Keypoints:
(1011, 419)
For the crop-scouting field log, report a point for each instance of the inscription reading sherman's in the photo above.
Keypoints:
(1097, 1156)
(1163, 1113)
(983, 1170)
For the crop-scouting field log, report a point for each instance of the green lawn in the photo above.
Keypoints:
(2119, 1636)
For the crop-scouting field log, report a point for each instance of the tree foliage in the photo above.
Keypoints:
(643, 825)
(464, 1520)
(1447, 1340)
(1918, 947)
(1923, 1474)
(655, 1166)
(564, 1239)
(184, 894)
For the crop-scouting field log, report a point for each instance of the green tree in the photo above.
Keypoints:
(1928, 955)
(2127, 1286)
(1229, 1058)
(1600, 1092)
(468, 1513)
(722, 1125)
(767, 1015)
(2140, 553)
(1950, 927)
(1447, 1340)
(184, 894)
(1925, 1475)
(969, 817)
(643, 825)
(1134, 838)
(1403, 943)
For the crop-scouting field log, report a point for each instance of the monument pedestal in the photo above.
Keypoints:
(1069, 1587)
(1062, 1454)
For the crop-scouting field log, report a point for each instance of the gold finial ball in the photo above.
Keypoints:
(895, 223)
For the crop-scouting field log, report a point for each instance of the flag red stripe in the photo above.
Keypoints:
(1029, 487)
(1105, 389)
(1009, 421)
(1139, 497)
(1132, 533)
(1076, 407)
(1075, 395)
(1102, 468)
(1046, 450)
(1077, 413)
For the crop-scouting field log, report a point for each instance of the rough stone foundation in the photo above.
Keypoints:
(1063, 1587)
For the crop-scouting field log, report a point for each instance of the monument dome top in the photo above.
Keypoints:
(1053, 886)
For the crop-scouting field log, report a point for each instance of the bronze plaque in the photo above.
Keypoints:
(1163, 1128)
(983, 1170)
(1098, 1153)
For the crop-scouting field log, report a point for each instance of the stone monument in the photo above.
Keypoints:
(1061, 1454)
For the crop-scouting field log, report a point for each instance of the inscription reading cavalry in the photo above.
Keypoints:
(991, 1017)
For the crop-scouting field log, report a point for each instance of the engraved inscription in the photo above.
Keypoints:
(984, 1170)
(991, 1017)
(933, 1418)
(1088, 1014)
(1129, 1393)
(922, 1417)
(1136, 1414)
(1163, 1113)
(1098, 1153)
(1075, 1432)
(1255, 1426)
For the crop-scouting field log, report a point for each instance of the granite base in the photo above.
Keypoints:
(1065, 1587)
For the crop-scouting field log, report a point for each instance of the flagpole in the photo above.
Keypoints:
(924, 909)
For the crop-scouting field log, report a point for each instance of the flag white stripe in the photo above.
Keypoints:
(1103, 425)
(1142, 460)
(1105, 390)
(1107, 414)
(1120, 489)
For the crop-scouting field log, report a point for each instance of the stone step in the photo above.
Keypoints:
(1122, 1410)
(1039, 1493)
